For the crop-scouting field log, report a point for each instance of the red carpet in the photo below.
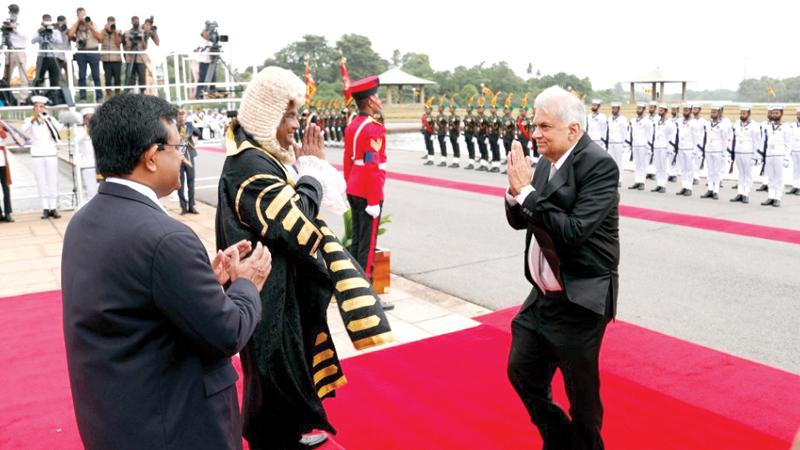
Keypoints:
(450, 392)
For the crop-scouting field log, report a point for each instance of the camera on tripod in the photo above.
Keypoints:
(46, 34)
(213, 36)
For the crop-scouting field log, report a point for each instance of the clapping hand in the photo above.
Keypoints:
(255, 268)
(519, 169)
(222, 260)
(313, 143)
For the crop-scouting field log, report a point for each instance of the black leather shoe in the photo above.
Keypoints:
(469, 167)
(634, 186)
(745, 199)
(738, 198)
(387, 306)
(793, 191)
(695, 182)
(650, 176)
(762, 188)
(767, 202)
(193, 211)
(8, 218)
(442, 164)
(708, 194)
(54, 214)
(482, 169)
(428, 163)
(454, 166)
(735, 186)
(681, 192)
(672, 178)
(688, 193)
(45, 214)
(660, 189)
(183, 212)
(494, 170)
(776, 203)
(715, 196)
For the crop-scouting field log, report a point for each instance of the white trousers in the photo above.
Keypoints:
(45, 169)
(774, 173)
(796, 169)
(744, 167)
(715, 163)
(641, 158)
(686, 162)
(89, 182)
(662, 161)
(617, 151)
(697, 157)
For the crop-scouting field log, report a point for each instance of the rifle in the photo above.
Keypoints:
(732, 152)
(652, 145)
(703, 150)
(605, 141)
(630, 142)
(675, 144)
(764, 153)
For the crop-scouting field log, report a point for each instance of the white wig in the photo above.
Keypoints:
(264, 104)
(561, 104)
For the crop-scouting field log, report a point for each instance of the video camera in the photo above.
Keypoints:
(7, 27)
(46, 35)
(212, 31)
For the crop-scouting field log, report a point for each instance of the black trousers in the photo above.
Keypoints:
(365, 234)
(187, 181)
(137, 76)
(47, 65)
(482, 146)
(6, 193)
(442, 144)
(549, 334)
(507, 140)
(428, 142)
(468, 138)
(525, 148)
(535, 148)
(113, 73)
(494, 146)
(454, 143)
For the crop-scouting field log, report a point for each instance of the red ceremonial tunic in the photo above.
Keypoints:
(365, 159)
(522, 129)
(427, 125)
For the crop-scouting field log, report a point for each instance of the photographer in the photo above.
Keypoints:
(88, 38)
(14, 40)
(61, 57)
(135, 40)
(48, 39)
(112, 61)
(204, 61)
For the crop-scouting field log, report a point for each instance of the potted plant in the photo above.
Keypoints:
(381, 271)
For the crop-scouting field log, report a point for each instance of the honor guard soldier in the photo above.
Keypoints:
(597, 124)
(642, 133)
(454, 126)
(760, 159)
(747, 137)
(795, 190)
(43, 131)
(685, 144)
(441, 133)
(494, 135)
(469, 135)
(616, 134)
(365, 171)
(777, 148)
(717, 136)
(700, 125)
(509, 126)
(427, 132)
(652, 108)
(524, 126)
(672, 169)
(664, 128)
(482, 121)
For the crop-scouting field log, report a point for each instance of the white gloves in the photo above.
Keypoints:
(373, 210)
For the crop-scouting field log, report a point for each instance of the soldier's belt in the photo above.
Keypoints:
(360, 162)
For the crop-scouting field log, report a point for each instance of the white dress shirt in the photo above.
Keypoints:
(140, 188)
(539, 268)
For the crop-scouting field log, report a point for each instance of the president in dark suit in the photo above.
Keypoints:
(148, 328)
(569, 208)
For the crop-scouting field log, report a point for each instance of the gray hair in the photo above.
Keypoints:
(561, 104)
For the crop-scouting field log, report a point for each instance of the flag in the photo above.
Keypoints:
(771, 91)
(311, 88)
(345, 76)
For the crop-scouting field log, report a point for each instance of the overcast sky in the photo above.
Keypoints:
(713, 43)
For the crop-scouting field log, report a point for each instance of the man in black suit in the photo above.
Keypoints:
(570, 212)
(148, 329)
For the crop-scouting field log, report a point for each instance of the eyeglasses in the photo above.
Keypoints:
(181, 147)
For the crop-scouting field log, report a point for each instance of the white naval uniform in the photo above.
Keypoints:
(44, 156)
(778, 147)
(651, 167)
(662, 150)
(796, 154)
(747, 140)
(641, 135)
(699, 127)
(597, 127)
(86, 163)
(617, 135)
(718, 135)
(685, 135)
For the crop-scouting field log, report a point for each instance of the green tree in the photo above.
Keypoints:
(322, 61)
(417, 64)
(362, 60)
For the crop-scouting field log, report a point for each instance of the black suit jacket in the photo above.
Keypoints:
(148, 329)
(575, 219)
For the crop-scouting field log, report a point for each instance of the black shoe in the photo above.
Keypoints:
(192, 210)
(442, 164)
(387, 306)
(428, 163)
(494, 170)
(745, 199)
(715, 196)
(762, 188)
(695, 182)
(504, 162)
(634, 186)
(8, 218)
(659, 189)
(454, 166)
(45, 214)
(735, 186)
(708, 194)
(793, 191)
(482, 169)
(650, 176)
(313, 440)
(767, 202)
(469, 167)
(776, 203)
(54, 214)
(504, 171)
(688, 193)
(738, 198)
(672, 178)
(681, 191)
(183, 212)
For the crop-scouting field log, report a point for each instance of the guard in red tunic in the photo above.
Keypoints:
(365, 171)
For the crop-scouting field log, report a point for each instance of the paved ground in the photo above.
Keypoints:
(732, 293)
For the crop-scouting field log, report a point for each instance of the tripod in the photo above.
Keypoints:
(211, 72)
